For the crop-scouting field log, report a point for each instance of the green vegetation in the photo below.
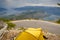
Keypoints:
(58, 21)
(22, 28)
(1, 27)
(58, 4)
(4, 20)
(10, 25)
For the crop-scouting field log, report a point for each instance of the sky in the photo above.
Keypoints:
(20, 3)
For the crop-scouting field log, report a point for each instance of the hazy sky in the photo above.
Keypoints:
(19, 3)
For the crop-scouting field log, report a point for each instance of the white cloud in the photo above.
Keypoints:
(19, 3)
(31, 4)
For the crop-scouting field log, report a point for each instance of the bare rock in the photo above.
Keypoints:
(13, 33)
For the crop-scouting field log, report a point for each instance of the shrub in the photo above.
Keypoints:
(58, 21)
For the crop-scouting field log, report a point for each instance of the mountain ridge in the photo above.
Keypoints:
(51, 10)
(52, 13)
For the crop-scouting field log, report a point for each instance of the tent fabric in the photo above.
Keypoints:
(31, 34)
(35, 32)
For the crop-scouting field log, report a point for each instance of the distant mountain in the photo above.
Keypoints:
(2, 11)
(29, 15)
(6, 12)
(33, 15)
(49, 10)
(52, 18)
(35, 12)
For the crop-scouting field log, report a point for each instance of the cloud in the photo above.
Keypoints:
(20, 3)
(2, 3)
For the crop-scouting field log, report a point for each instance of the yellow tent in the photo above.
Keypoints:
(31, 34)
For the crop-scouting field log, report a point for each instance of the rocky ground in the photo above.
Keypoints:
(9, 35)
